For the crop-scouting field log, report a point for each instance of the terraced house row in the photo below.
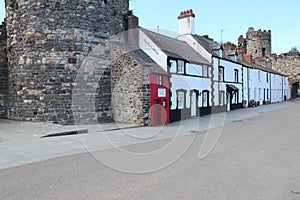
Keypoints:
(190, 75)
(141, 77)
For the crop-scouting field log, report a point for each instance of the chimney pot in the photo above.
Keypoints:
(191, 11)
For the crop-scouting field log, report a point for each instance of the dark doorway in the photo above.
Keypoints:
(295, 88)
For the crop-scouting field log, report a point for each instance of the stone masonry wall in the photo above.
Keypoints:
(289, 64)
(47, 43)
(130, 90)
(3, 71)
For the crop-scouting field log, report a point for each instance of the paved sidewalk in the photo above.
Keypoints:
(22, 143)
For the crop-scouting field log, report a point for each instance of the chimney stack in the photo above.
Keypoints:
(133, 28)
(248, 58)
(186, 23)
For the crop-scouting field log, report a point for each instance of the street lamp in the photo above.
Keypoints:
(223, 29)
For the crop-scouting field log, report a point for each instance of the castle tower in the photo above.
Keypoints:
(47, 43)
(258, 43)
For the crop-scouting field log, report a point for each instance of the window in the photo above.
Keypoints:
(259, 93)
(193, 69)
(180, 68)
(250, 95)
(180, 99)
(221, 98)
(205, 70)
(259, 76)
(236, 75)
(173, 66)
(159, 80)
(263, 52)
(221, 73)
(235, 97)
(267, 77)
(205, 98)
(254, 93)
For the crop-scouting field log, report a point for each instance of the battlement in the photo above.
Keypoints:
(251, 30)
(257, 43)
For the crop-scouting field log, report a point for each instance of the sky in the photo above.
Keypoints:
(233, 16)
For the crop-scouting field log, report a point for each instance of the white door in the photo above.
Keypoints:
(193, 104)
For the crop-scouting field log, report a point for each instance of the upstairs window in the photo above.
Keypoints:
(221, 73)
(159, 80)
(180, 68)
(236, 75)
(205, 71)
(259, 76)
(267, 77)
(173, 66)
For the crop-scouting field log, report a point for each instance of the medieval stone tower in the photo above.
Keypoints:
(47, 41)
(257, 43)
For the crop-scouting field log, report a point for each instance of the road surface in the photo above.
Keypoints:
(256, 158)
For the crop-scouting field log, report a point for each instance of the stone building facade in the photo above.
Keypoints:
(289, 64)
(130, 86)
(3, 70)
(47, 43)
(257, 43)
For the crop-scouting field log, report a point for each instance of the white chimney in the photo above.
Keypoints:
(186, 22)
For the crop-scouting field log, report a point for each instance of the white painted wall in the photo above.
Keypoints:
(259, 85)
(229, 78)
(229, 67)
(188, 83)
(286, 88)
(152, 50)
(186, 25)
(261, 88)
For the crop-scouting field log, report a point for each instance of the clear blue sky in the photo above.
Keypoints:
(281, 17)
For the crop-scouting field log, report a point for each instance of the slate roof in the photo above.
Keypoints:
(140, 56)
(176, 48)
(210, 46)
(256, 66)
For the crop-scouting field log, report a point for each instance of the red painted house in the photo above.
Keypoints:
(159, 98)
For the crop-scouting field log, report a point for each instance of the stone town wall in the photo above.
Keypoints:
(3, 71)
(287, 63)
(47, 43)
(130, 90)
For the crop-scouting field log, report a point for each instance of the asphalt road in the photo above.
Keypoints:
(257, 158)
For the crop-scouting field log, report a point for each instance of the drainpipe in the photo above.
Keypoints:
(282, 99)
(270, 87)
(243, 96)
(248, 81)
